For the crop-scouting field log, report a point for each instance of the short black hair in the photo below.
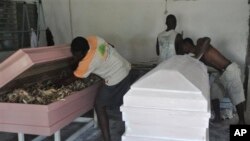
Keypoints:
(79, 47)
(188, 40)
(171, 21)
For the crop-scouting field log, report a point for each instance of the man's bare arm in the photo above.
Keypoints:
(178, 44)
(157, 48)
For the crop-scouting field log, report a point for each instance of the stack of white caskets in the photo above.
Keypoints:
(169, 103)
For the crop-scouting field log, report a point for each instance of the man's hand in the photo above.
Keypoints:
(202, 46)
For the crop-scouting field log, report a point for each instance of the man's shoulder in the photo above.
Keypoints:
(167, 33)
(93, 37)
(162, 33)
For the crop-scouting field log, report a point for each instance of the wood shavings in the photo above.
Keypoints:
(46, 92)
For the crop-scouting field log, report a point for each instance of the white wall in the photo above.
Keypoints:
(132, 25)
(58, 19)
(225, 21)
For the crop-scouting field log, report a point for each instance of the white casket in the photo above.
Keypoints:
(171, 102)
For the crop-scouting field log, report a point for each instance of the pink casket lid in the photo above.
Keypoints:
(24, 61)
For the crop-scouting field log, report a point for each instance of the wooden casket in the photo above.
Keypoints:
(28, 66)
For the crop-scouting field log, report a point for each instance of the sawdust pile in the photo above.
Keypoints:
(46, 92)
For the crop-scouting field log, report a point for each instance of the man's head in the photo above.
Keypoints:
(201, 41)
(79, 48)
(171, 22)
(188, 46)
(189, 42)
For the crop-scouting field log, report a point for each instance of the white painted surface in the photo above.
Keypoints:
(180, 83)
(166, 132)
(57, 16)
(161, 117)
(166, 81)
(180, 73)
(132, 25)
(136, 138)
(225, 21)
(170, 102)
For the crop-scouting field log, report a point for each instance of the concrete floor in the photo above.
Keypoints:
(217, 131)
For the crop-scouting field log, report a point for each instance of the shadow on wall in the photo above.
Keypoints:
(118, 43)
(222, 46)
(142, 49)
(135, 49)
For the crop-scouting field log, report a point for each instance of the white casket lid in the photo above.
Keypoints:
(180, 83)
(180, 74)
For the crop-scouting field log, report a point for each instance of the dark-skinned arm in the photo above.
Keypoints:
(178, 44)
(157, 48)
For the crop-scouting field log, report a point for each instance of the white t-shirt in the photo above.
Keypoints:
(166, 40)
(103, 60)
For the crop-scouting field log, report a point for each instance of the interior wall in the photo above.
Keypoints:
(132, 26)
(57, 18)
(224, 21)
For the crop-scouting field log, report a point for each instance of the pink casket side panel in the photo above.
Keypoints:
(46, 119)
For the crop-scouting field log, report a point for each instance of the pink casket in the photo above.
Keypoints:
(37, 64)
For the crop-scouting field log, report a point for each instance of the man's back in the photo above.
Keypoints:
(103, 60)
(166, 42)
